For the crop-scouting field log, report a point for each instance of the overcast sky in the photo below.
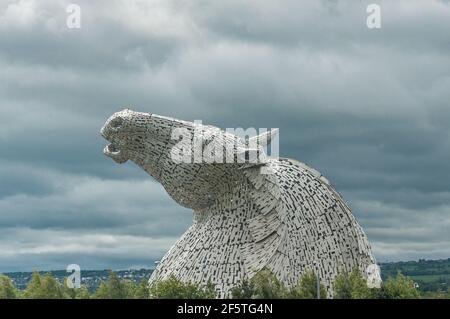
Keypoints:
(369, 108)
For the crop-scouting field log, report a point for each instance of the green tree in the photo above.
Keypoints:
(45, 287)
(102, 292)
(131, 288)
(82, 293)
(172, 288)
(351, 286)
(307, 288)
(34, 286)
(7, 289)
(115, 288)
(51, 289)
(400, 287)
(267, 286)
(142, 290)
(244, 290)
(75, 293)
(342, 286)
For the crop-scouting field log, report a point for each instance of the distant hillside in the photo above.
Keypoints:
(430, 275)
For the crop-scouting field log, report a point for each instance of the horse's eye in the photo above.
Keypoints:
(116, 122)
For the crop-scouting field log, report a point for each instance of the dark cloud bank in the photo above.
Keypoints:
(368, 108)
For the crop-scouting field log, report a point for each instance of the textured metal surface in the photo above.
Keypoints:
(276, 213)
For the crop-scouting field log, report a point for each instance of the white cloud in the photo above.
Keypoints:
(72, 242)
(19, 13)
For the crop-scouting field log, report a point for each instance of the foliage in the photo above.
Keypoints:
(307, 288)
(352, 286)
(416, 268)
(172, 288)
(267, 286)
(400, 287)
(142, 290)
(82, 293)
(44, 287)
(115, 288)
(431, 275)
(75, 293)
(263, 285)
(244, 290)
(7, 289)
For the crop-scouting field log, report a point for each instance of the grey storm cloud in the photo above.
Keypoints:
(368, 108)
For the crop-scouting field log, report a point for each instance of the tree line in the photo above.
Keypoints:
(263, 285)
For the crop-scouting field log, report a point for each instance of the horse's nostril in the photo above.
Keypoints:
(113, 148)
(116, 122)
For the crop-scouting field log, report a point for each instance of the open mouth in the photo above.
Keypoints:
(119, 156)
(112, 149)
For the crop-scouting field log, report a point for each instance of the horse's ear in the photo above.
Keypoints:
(263, 139)
(251, 156)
